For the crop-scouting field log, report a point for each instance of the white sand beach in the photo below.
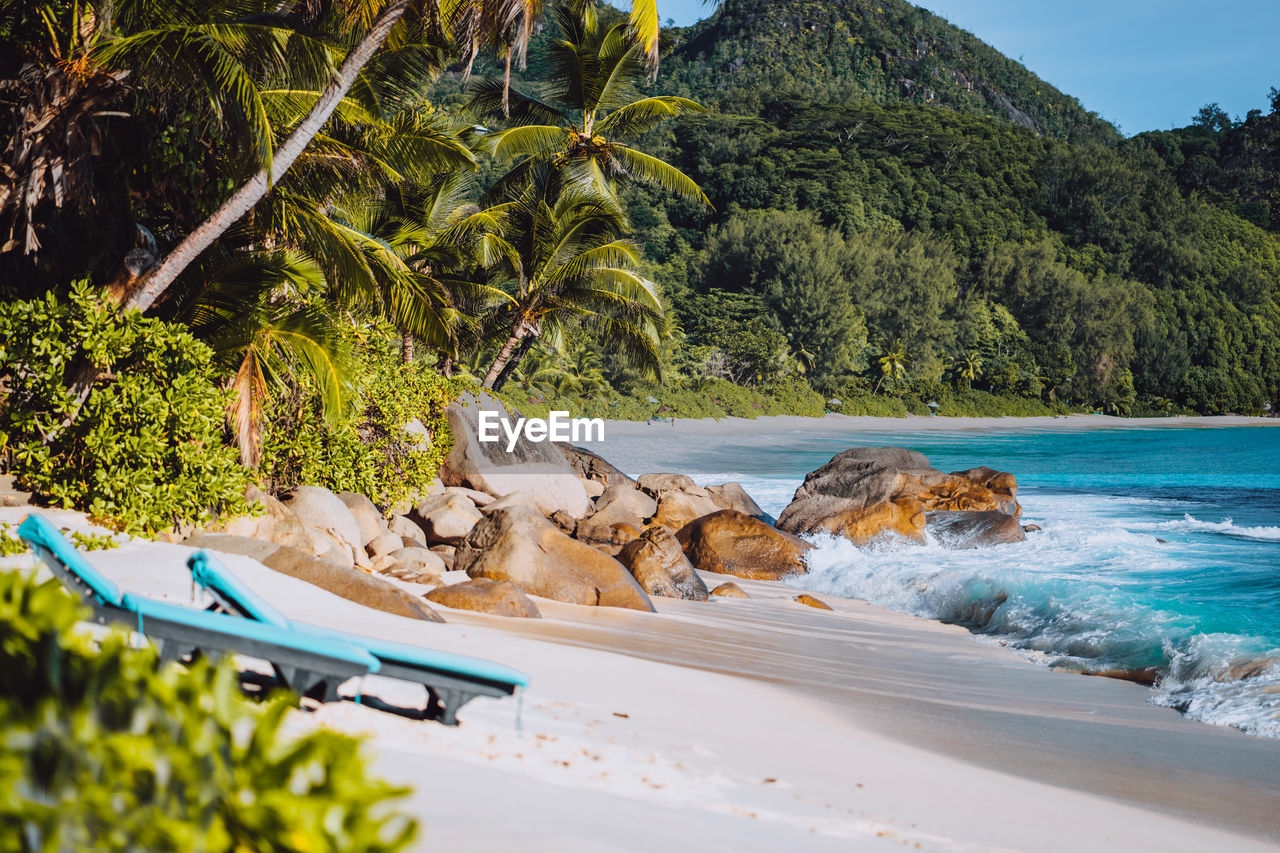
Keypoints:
(918, 423)
(763, 724)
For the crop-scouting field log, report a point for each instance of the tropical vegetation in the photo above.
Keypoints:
(333, 217)
(103, 751)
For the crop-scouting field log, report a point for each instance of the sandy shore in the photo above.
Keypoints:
(765, 725)
(916, 423)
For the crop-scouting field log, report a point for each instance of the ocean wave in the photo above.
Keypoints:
(1190, 524)
(1076, 596)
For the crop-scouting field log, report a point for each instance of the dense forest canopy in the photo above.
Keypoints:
(997, 237)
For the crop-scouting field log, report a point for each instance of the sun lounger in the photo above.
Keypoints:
(451, 680)
(304, 663)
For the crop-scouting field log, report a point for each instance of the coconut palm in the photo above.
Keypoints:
(80, 60)
(594, 103)
(893, 364)
(367, 27)
(563, 262)
(261, 314)
(969, 367)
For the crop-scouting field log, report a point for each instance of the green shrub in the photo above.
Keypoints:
(147, 449)
(102, 752)
(368, 452)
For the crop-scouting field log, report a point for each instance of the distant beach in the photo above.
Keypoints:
(916, 423)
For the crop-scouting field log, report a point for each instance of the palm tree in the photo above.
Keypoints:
(970, 368)
(562, 262)
(893, 364)
(595, 102)
(80, 60)
(472, 22)
(261, 314)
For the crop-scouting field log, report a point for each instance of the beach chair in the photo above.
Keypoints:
(451, 680)
(305, 664)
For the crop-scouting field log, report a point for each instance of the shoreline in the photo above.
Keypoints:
(759, 723)
(924, 423)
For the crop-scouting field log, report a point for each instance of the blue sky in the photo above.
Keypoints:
(1141, 64)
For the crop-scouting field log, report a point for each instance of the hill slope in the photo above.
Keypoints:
(863, 50)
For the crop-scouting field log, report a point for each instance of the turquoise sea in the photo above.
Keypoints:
(1160, 548)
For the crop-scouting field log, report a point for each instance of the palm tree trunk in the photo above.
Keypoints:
(446, 367)
(406, 348)
(504, 355)
(514, 361)
(256, 188)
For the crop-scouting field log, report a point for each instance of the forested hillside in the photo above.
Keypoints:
(916, 245)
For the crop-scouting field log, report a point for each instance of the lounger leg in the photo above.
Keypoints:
(329, 690)
(443, 704)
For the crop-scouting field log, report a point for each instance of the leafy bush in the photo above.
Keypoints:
(368, 452)
(147, 448)
(103, 752)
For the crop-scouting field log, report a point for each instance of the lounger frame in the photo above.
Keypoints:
(306, 672)
(447, 692)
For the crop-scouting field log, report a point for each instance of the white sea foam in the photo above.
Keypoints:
(1075, 594)
(1190, 524)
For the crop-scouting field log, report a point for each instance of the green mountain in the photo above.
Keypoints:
(900, 210)
(881, 51)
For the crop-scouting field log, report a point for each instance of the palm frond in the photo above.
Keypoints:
(641, 116)
(650, 170)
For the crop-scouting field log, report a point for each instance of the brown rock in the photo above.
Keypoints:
(963, 530)
(517, 544)
(350, 584)
(591, 466)
(512, 499)
(321, 509)
(538, 468)
(866, 492)
(477, 498)
(407, 530)
(486, 596)
(1001, 482)
(618, 519)
(731, 543)
(593, 488)
(1031, 528)
(446, 519)
(367, 518)
(419, 560)
(733, 496)
(809, 601)
(385, 543)
(1243, 669)
(1146, 675)
(677, 508)
(446, 554)
(636, 502)
(658, 564)
(656, 485)
(563, 520)
(729, 589)
(277, 523)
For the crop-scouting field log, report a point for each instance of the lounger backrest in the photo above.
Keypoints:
(66, 562)
(246, 629)
(231, 592)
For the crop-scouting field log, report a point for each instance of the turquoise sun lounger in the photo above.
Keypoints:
(451, 680)
(304, 663)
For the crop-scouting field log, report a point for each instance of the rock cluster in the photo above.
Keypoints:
(561, 523)
(866, 493)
